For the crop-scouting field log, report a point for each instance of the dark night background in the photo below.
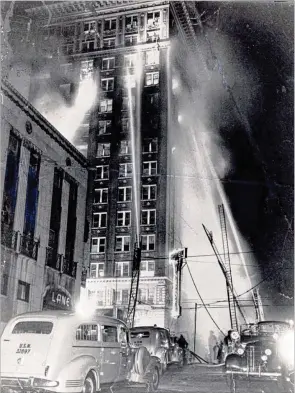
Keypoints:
(260, 184)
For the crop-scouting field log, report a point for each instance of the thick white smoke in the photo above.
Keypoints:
(67, 119)
(201, 161)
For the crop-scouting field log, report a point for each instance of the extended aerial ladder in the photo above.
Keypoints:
(183, 20)
(134, 286)
(256, 296)
(258, 305)
(226, 270)
(227, 266)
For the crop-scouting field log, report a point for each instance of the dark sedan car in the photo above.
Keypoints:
(264, 350)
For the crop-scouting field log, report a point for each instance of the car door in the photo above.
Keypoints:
(124, 352)
(112, 359)
(165, 342)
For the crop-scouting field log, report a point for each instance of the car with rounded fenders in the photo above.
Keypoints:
(158, 342)
(263, 350)
(65, 352)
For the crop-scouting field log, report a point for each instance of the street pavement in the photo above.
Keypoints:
(207, 379)
(197, 378)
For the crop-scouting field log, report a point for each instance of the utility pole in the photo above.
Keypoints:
(176, 259)
(195, 327)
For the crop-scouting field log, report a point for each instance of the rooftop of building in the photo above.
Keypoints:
(58, 9)
(9, 91)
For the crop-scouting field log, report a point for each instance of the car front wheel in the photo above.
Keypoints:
(89, 385)
(154, 380)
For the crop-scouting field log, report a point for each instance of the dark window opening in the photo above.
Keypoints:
(4, 284)
(55, 220)
(10, 181)
(23, 291)
(70, 265)
(32, 195)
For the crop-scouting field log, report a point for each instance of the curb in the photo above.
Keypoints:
(207, 365)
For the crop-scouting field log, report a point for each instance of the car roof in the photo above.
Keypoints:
(266, 322)
(148, 328)
(70, 315)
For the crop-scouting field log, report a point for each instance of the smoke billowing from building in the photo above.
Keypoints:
(203, 86)
(67, 119)
(45, 78)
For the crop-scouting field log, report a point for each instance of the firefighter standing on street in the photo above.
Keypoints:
(213, 348)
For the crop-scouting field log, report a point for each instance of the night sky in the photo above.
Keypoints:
(260, 183)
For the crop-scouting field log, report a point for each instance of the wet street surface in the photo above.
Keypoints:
(203, 379)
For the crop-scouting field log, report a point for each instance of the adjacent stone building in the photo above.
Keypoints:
(44, 244)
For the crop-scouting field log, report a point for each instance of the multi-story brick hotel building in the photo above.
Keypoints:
(124, 47)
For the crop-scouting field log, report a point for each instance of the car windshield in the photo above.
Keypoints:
(273, 327)
(140, 334)
(33, 327)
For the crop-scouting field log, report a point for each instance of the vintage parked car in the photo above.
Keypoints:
(60, 351)
(158, 343)
(264, 350)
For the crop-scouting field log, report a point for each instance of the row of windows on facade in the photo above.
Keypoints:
(23, 288)
(131, 62)
(148, 217)
(148, 146)
(148, 193)
(145, 296)
(123, 244)
(90, 38)
(152, 20)
(91, 45)
(122, 269)
(149, 168)
(108, 84)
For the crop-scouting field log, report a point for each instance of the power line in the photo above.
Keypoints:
(167, 258)
(246, 306)
(203, 300)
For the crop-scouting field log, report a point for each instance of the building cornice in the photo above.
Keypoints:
(105, 280)
(122, 49)
(10, 92)
(62, 10)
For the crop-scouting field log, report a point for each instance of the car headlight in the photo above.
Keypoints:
(234, 335)
(240, 351)
(286, 347)
(268, 352)
(44, 383)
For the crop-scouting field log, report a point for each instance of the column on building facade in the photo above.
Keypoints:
(5, 132)
(79, 251)
(24, 270)
(64, 218)
(22, 189)
(43, 226)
